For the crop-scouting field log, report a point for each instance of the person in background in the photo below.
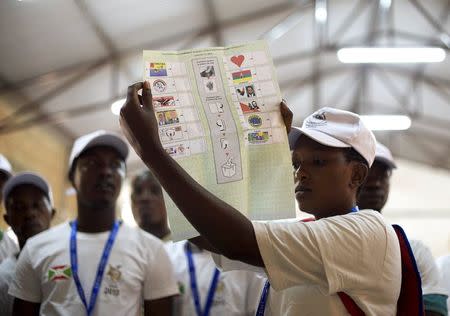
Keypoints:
(29, 210)
(444, 267)
(94, 265)
(310, 263)
(8, 246)
(374, 195)
(204, 290)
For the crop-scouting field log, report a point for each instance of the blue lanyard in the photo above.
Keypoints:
(263, 299)
(265, 291)
(100, 269)
(194, 288)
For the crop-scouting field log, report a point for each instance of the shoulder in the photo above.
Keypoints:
(51, 234)
(136, 237)
(49, 238)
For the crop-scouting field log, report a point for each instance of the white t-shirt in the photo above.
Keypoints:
(309, 263)
(8, 247)
(237, 292)
(429, 272)
(7, 268)
(138, 268)
(444, 268)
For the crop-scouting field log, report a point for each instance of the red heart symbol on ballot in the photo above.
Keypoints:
(238, 60)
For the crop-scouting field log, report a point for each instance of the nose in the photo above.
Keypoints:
(300, 174)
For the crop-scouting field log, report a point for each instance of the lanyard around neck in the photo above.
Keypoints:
(194, 287)
(100, 269)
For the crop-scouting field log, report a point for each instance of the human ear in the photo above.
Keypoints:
(359, 175)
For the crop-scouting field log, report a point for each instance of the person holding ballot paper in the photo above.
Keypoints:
(310, 265)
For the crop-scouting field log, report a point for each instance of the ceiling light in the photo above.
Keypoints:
(386, 122)
(391, 55)
(385, 4)
(321, 11)
(117, 105)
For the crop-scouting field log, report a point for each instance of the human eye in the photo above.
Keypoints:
(318, 162)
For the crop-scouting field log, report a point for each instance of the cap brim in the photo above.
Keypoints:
(315, 135)
(7, 172)
(108, 140)
(26, 178)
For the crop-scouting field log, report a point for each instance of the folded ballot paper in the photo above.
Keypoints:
(219, 118)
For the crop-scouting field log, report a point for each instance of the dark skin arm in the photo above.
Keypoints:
(203, 243)
(21, 307)
(162, 306)
(213, 218)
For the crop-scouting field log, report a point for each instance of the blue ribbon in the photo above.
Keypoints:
(100, 269)
(194, 288)
(263, 299)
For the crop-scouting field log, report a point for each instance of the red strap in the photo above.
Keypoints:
(350, 305)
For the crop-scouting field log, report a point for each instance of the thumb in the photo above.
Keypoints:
(147, 102)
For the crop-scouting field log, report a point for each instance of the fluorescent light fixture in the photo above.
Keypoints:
(117, 105)
(386, 122)
(321, 11)
(391, 55)
(385, 4)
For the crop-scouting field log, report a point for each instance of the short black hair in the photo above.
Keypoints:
(352, 155)
(144, 174)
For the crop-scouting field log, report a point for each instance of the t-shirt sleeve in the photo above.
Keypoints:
(225, 264)
(26, 284)
(429, 272)
(159, 279)
(336, 253)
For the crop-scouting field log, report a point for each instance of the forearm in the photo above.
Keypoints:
(225, 228)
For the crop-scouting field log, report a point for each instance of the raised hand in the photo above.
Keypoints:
(138, 122)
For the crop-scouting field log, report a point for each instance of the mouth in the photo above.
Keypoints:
(302, 190)
(106, 186)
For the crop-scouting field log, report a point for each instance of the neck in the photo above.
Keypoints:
(345, 208)
(158, 230)
(95, 219)
(21, 244)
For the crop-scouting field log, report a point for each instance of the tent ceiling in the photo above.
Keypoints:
(70, 59)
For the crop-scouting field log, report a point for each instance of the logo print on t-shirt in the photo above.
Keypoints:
(63, 272)
(114, 277)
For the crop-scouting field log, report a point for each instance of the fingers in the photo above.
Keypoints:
(132, 96)
(287, 115)
(147, 102)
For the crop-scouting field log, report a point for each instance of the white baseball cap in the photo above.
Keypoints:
(5, 166)
(384, 155)
(337, 128)
(97, 138)
(27, 178)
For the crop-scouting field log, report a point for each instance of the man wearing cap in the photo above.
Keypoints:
(308, 263)
(203, 288)
(8, 246)
(94, 265)
(29, 210)
(374, 194)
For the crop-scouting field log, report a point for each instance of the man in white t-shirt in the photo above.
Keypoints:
(29, 210)
(444, 268)
(374, 195)
(8, 246)
(94, 265)
(234, 293)
(308, 263)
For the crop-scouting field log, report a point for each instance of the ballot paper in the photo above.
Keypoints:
(218, 111)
